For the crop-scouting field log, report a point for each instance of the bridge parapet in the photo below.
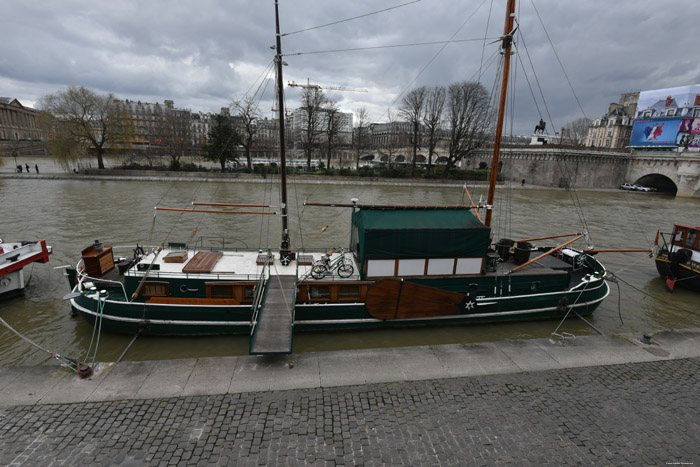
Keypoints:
(598, 169)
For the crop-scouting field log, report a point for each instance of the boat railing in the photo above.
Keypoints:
(155, 273)
(215, 243)
(83, 279)
(258, 299)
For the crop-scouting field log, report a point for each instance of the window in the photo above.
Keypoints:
(319, 292)
(221, 291)
(440, 266)
(690, 238)
(155, 289)
(348, 292)
(249, 292)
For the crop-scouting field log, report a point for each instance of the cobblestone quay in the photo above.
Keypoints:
(628, 414)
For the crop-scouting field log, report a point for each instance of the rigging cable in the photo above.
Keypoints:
(566, 171)
(683, 309)
(296, 197)
(435, 56)
(483, 46)
(349, 19)
(265, 73)
(391, 46)
(558, 59)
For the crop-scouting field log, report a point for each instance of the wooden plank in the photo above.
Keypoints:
(202, 262)
(175, 257)
(392, 299)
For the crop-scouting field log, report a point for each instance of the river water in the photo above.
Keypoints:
(70, 214)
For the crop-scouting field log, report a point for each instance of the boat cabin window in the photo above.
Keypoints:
(249, 292)
(221, 291)
(155, 289)
(319, 292)
(348, 292)
(691, 238)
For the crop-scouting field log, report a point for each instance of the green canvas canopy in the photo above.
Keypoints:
(418, 233)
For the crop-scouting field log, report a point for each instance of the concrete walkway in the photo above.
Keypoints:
(39, 385)
(608, 400)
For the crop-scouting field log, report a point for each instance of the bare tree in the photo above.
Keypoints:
(331, 127)
(412, 111)
(248, 111)
(362, 124)
(432, 118)
(576, 132)
(222, 141)
(79, 121)
(389, 140)
(468, 117)
(312, 99)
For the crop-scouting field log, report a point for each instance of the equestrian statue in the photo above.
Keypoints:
(540, 127)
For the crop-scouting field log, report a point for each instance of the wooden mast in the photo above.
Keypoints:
(285, 245)
(506, 46)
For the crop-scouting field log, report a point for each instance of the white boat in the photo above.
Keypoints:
(14, 256)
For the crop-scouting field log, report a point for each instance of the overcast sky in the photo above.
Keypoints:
(204, 53)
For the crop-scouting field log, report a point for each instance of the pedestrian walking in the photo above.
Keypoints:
(36, 167)
(27, 165)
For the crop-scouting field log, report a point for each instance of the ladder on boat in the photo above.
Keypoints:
(271, 331)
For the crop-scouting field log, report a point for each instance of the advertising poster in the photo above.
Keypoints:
(686, 125)
(695, 127)
(656, 103)
(655, 132)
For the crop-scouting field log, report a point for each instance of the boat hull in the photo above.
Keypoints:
(186, 320)
(685, 272)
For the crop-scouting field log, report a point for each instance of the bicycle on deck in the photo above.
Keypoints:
(325, 266)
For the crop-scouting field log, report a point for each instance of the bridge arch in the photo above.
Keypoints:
(661, 183)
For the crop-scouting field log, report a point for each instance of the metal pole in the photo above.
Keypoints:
(507, 43)
(285, 245)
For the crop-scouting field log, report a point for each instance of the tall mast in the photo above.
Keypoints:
(285, 245)
(506, 46)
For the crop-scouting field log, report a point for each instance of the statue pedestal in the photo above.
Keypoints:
(539, 140)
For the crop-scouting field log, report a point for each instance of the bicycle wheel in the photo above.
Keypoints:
(345, 270)
(319, 271)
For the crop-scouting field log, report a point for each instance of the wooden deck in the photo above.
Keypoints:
(274, 329)
(203, 262)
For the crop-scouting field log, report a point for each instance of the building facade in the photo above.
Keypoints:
(613, 129)
(19, 132)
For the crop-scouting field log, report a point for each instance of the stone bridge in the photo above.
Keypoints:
(671, 172)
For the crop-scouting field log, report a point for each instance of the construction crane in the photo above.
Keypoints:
(318, 86)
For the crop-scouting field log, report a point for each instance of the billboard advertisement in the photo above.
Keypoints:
(668, 102)
(655, 132)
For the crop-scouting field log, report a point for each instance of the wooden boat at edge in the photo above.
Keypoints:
(411, 265)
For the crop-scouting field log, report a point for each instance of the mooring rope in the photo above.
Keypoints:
(64, 361)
